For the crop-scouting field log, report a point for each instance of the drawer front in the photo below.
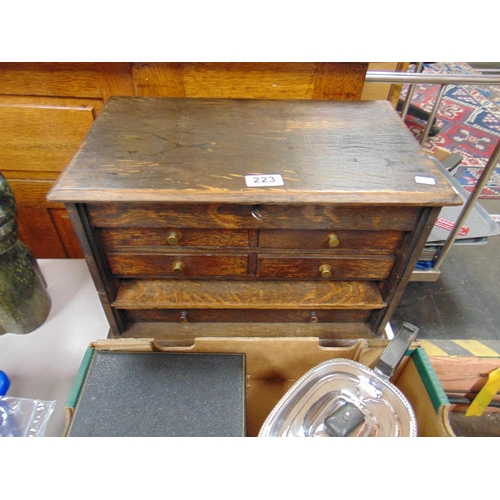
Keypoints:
(335, 242)
(180, 265)
(233, 216)
(342, 268)
(248, 315)
(123, 238)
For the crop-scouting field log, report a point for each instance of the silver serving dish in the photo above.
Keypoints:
(341, 398)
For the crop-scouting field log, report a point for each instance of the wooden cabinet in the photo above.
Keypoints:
(47, 108)
(180, 244)
(38, 137)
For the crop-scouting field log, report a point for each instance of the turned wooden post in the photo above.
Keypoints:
(24, 301)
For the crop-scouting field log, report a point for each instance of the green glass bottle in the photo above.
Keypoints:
(24, 301)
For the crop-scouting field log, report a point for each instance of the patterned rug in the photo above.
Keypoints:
(469, 123)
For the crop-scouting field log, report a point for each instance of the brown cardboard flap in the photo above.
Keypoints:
(267, 358)
(429, 424)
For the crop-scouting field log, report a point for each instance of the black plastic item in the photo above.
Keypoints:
(344, 421)
(421, 115)
(162, 394)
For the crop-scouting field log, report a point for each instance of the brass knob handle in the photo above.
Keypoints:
(173, 238)
(333, 240)
(178, 267)
(325, 270)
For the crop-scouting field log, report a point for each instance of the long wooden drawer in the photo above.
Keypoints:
(285, 295)
(123, 238)
(335, 242)
(168, 265)
(324, 267)
(234, 216)
(249, 315)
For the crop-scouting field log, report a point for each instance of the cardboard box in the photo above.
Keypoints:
(462, 378)
(274, 364)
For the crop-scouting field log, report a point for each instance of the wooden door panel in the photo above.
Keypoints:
(50, 79)
(66, 233)
(40, 135)
(45, 227)
(250, 80)
(37, 230)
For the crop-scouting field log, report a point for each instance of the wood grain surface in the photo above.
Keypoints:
(37, 230)
(159, 79)
(42, 134)
(165, 294)
(308, 267)
(464, 375)
(249, 80)
(151, 149)
(249, 315)
(349, 241)
(115, 79)
(50, 79)
(234, 216)
(159, 265)
(337, 81)
(177, 333)
(44, 226)
(155, 238)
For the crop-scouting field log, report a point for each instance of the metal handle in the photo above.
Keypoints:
(178, 267)
(256, 212)
(183, 317)
(313, 317)
(173, 238)
(333, 240)
(325, 270)
(394, 352)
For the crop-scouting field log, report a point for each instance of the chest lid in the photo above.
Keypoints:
(219, 150)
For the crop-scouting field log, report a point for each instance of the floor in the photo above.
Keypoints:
(464, 304)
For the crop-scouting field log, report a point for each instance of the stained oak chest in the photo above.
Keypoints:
(206, 217)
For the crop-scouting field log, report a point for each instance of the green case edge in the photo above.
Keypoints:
(80, 378)
(429, 378)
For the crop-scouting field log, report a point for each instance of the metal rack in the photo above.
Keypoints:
(443, 80)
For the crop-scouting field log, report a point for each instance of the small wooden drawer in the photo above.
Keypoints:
(248, 315)
(375, 242)
(320, 267)
(233, 216)
(180, 265)
(121, 239)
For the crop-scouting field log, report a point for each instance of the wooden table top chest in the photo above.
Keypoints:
(206, 217)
